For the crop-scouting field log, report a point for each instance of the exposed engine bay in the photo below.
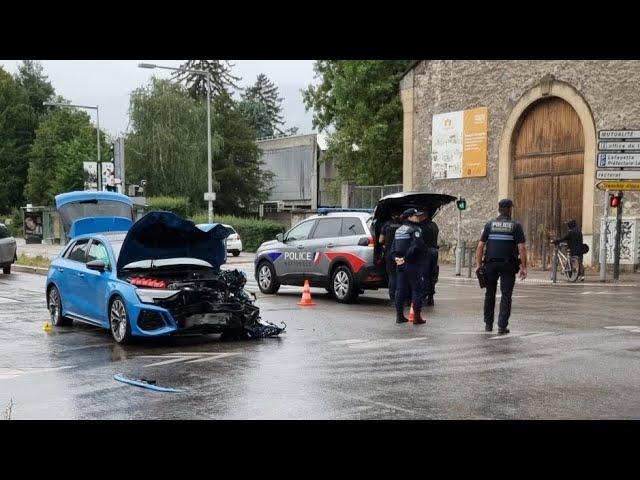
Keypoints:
(203, 300)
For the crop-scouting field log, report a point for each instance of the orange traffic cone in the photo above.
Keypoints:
(306, 296)
(412, 314)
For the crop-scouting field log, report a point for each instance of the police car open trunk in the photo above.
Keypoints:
(175, 264)
(398, 202)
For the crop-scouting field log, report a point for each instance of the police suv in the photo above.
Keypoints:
(336, 249)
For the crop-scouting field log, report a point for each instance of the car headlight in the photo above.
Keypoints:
(150, 295)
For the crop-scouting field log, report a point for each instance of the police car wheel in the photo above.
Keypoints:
(342, 285)
(267, 281)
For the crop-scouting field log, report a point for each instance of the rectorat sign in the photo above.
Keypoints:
(459, 144)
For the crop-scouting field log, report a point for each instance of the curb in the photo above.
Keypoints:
(27, 269)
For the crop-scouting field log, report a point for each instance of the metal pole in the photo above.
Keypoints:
(603, 239)
(470, 261)
(99, 158)
(209, 146)
(616, 252)
(458, 246)
(554, 265)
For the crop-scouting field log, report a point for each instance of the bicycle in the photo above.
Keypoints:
(570, 265)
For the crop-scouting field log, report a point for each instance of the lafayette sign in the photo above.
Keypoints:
(618, 160)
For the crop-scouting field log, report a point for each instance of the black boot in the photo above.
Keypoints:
(488, 327)
(430, 301)
(417, 318)
(400, 318)
(503, 330)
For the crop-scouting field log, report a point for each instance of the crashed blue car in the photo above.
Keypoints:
(158, 276)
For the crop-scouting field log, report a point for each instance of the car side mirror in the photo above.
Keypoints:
(97, 265)
(363, 242)
(280, 237)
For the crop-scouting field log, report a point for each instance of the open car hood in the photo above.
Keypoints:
(165, 235)
(429, 202)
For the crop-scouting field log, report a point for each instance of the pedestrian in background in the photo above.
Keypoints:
(387, 235)
(505, 254)
(408, 250)
(574, 243)
(430, 266)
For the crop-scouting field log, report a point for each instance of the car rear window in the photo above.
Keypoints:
(351, 226)
(79, 251)
(328, 228)
(4, 233)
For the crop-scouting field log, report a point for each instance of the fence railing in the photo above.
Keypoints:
(366, 196)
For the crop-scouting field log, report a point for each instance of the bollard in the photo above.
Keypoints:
(463, 253)
(554, 266)
(544, 256)
(470, 260)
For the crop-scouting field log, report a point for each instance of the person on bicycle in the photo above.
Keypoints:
(574, 243)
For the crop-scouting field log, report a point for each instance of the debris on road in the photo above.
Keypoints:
(144, 383)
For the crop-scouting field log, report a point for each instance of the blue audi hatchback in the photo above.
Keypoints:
(155, 277)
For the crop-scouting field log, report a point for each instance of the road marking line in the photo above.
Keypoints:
(627, 328)
(8, 300)
(8, 373)
(215, 357)
(186, 357)
(373, 402)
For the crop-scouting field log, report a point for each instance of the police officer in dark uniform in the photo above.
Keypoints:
(430, 266)
(408, 250)
(387, 235)
(505, 254)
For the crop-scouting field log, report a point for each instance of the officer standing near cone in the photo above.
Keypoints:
(505, 254)
(408, 250)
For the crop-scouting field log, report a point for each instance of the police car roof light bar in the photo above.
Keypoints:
(325, 211)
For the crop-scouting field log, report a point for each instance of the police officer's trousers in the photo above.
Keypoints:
(409, 284)
(430, 272)
(506, 272)
(390, 265)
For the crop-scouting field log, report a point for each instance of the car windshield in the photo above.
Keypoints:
(168, 262)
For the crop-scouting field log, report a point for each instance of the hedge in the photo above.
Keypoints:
(178, 205)
(253, 231)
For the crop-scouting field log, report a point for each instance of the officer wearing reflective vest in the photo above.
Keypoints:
(408, 250)
(505, 254)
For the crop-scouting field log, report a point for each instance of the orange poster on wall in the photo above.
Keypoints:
(474, 151)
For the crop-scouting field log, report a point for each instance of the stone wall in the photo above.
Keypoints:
(610, 89)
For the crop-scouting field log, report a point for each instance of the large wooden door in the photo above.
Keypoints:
(548, 164)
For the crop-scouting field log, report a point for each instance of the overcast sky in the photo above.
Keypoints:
(108, 84)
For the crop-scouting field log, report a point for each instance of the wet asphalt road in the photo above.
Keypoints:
(574, 352)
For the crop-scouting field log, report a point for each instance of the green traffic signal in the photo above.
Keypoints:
(461, 204)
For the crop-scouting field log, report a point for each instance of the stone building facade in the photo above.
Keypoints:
(527, 102)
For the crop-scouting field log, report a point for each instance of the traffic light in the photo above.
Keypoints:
(615, 200)
(112, 151)
(461, 203)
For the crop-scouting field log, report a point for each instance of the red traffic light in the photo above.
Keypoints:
(615, 200)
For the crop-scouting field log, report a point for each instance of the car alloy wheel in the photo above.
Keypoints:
(55, 308)
(264, 277)
(118, 321)
(341, 284)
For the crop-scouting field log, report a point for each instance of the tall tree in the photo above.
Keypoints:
(221, 77)
(357, 102)
(64, 139)
(32, 78)
(168, 148)
(16, 123)
(263, 96)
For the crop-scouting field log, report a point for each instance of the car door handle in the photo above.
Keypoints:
(80, 274)
(300, 247)
(60, 269)
(330, 245)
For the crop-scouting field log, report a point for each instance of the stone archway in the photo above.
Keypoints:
(549, 87)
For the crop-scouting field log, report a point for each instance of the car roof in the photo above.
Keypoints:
(106, 236)
(364, 215)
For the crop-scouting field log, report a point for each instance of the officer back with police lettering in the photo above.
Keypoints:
(505, 252)
(408, 251)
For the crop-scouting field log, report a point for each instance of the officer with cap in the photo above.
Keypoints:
(408, 250)
(387, 235)
(505, 252)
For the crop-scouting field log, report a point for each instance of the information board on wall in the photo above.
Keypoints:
(459, 144)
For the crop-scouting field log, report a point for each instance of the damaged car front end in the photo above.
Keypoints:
(174, 265)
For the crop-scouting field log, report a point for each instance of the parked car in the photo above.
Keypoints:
(336, 249)
(158, 276)
(234, 242)
(8, 249)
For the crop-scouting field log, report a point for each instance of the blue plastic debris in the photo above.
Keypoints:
(150, 384)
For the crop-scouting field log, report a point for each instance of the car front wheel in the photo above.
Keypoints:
(342, 285)
(55, 309)
(119, 321)
(267, 281)
(6, 270)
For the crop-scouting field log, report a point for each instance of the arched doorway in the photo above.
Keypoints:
(548, 165)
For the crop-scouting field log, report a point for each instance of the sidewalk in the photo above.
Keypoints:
(544, 277)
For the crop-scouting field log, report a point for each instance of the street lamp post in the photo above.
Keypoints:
(209, 168)
(53, 104)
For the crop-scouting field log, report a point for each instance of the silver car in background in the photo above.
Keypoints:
(8, 250)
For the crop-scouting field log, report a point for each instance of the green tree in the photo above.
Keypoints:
(16, 122)
(39, 90)
(221, 77)
(168, 148)
(64, 139)
(357, 102)
(262, 106)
